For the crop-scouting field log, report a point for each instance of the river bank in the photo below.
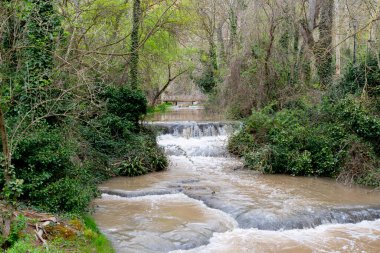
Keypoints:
(45, 232)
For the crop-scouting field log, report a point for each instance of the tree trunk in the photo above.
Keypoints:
(168, 82)
(337, 40)
(135, 44)
(213, 55)
(313, 13)
(159, 93)
(323, 48)
(233, 27)
(268, 82)
(269, 50)
(6, 151)
(6, 217)
(222, 49)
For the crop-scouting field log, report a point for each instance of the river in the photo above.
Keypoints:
(207, 202)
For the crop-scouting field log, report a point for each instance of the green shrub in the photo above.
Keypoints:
(260, 159)
(310, 141)
(300, 163)
(126, 104)
(207, 81)
(129, 149)
(357, 119)
(338, 137)
(241, 143)
(17, 227)
(366, 70)
(67, 195)
(370, 178)
(238, 110)
(45, 162)
(360, 163)
(42, 158)
(307, 149)
(144, 157)
(53, 175)
(132, 167)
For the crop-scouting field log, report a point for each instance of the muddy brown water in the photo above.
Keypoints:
(206, 202)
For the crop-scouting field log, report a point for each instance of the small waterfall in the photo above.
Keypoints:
(194, 139)
(194, 129)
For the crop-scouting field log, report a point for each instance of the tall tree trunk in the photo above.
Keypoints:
(269, 50)
(222, 49)
(268, 82)
(135, 44)
(233, 28)
(337, 40)
(323, 48)
(213, 56)
(6, 151)
(6, 217)
(314, 6)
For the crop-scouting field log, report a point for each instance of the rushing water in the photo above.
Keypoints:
(206, 202)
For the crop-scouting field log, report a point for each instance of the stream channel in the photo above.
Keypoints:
(207, 202)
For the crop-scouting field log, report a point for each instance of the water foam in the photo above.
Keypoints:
(192, 129)
(203, 146)
(360, 237)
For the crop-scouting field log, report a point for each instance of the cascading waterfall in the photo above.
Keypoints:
(195, 139)
(195, 129)
(206, 202)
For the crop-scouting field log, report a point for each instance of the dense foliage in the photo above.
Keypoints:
(63, 137)
(61, 165)
(338, 137)
(130, 148)
(363, 75)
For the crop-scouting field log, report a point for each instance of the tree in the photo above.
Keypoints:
(170, 79)
(27, 67)
(321, 48)
(135, 44)
(207, 14)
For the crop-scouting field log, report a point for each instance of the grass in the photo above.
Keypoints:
(161, 108)
(87, 239)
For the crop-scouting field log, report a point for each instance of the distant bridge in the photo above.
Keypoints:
(177, 99)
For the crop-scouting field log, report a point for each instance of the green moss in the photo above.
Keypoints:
(87, 240)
